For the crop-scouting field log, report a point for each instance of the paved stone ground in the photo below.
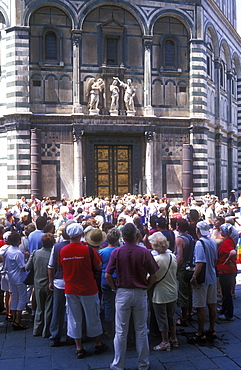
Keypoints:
(20, 350)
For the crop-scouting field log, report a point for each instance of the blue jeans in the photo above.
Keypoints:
(109, 301)
(131, 301)
(227, 281)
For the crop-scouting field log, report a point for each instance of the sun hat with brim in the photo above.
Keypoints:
(74, 230)
(95, 237)
(203, 228)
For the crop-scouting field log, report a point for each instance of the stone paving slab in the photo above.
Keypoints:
(22, 351)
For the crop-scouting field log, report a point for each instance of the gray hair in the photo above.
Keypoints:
(113, 236)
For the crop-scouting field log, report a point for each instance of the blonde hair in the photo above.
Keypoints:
(159, 243)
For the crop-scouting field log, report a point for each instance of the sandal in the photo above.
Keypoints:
(197, 338)
(81, 353)
(100, 349)
(162, 347)
(17, 326)
(181, 322)
(211, 334)
(174, 342)
(9, 318)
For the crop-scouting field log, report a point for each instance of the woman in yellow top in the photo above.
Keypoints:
(165, 293)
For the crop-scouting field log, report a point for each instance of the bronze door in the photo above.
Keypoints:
(113, 170)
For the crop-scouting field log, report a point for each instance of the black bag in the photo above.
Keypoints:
(190, 270)
(29, 280)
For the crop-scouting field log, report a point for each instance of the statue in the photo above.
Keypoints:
(128, 96)
(94, 89)
(114, 106)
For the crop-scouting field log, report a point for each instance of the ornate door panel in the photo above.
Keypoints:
(113, 169)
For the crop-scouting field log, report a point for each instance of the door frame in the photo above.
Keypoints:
(134, 141)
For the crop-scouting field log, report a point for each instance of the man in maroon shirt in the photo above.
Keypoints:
(132, 264)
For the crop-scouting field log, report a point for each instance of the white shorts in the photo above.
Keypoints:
(203, 295)
(76, 306)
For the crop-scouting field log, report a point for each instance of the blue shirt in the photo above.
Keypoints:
(105, 255)
(209, 256)
(35, 240)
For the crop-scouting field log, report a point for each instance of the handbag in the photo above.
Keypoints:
(151, 290)
(190, 270)
(29, 280)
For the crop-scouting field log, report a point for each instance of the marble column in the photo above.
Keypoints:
(78, 163)
(76, 38)
(36, 178)
(148, 110)
(149, 136)
(187, 170)
(198, 77)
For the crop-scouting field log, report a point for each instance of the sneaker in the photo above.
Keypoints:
(225, 318)
(174, 342)
(162, 347)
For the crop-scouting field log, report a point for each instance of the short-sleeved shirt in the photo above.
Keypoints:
(209, 256)
(14, 263)
(224, 249)
(105, 255)
(132, 264)
(35, 240)
(77, 269)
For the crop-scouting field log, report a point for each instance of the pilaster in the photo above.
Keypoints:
(199, 134)
(17, 70)
(217, 65)
(76, 40)
(148, 110)
(198, 89)
(18, 154)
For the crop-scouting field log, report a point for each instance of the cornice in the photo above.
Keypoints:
(224, 19)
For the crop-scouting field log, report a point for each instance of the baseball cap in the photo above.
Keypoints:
(203, 227)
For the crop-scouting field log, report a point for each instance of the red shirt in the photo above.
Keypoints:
(77, 269)
(223, 252)
(2, 242)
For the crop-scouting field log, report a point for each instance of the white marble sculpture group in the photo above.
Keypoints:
(96, 87)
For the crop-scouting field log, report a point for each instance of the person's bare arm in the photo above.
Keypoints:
(51, 277)
(196, 272)
(180, 244)
(151, 280)
(110, 281)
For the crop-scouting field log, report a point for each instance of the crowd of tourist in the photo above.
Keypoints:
(135, 258)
